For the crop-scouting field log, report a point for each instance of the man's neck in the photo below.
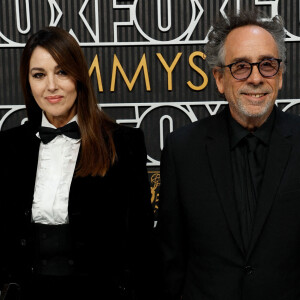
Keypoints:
(251, 123)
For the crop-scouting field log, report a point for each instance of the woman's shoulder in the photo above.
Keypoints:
(127, 133)
(21, 132)
(18, 139)
(129, 139)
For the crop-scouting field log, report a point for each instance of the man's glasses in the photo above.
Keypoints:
(241, 70)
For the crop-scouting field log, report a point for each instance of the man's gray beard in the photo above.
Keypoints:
(240, 107)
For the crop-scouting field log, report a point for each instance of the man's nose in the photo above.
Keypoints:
(255, 76)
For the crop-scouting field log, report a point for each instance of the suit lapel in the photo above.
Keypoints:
(220, 162)
(278, 156)
(32, 143)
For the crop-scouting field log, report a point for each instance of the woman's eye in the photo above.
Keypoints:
(62, 72)
(38, 75)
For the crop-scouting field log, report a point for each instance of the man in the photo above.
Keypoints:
(229, 219)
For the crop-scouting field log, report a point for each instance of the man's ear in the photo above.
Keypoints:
(219, 77)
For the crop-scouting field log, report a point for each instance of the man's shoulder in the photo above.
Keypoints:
(199, 128)
(288, 122)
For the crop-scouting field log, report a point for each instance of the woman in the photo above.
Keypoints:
(77, 219)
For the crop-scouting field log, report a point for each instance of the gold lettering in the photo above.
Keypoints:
(198, 70)
(95, 65)
(169, 69)
(130, 84)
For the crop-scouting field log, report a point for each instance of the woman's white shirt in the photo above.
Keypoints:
(55, 170)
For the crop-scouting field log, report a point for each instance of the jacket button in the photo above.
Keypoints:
(122, 290)
(27, 212)
(44, 262)
(248, 270)
(71, 262)
(23, 242)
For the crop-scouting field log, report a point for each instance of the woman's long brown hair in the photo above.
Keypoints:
(97, 146)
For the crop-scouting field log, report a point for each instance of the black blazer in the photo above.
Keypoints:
(110, 217)
(201, 244)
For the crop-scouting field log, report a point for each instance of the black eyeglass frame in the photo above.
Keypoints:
(254, 64)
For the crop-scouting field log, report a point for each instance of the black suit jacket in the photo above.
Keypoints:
(201, 243)
(110, 217)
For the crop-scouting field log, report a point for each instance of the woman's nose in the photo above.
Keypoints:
(52, 84)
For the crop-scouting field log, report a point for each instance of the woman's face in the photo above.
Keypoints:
(53, 90)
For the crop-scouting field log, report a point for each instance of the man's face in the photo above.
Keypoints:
(250, 100)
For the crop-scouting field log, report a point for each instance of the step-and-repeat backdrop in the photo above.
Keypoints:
(146, 59)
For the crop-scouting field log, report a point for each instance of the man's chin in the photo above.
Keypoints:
(256, 111)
